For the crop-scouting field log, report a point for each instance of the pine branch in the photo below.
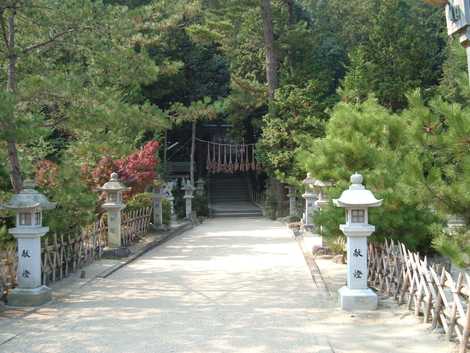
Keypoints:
(4, 29)
(53, 39)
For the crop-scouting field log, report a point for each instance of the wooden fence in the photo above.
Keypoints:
(134, 224)
(430, 291)
(65, 254)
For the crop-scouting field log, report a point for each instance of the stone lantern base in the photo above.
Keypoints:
(358, 299)
(113, 253)
(29, 297)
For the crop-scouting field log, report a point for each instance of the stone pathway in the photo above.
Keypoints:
(230, 285)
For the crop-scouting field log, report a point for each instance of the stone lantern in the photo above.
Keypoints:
(322, 201)
(188, 196)
(169, 196)
(158, 194)
(310, 198)
(292, 201)
(320, 186)
(29, 205)
(200, 183)
(356, 201)
(113, 206)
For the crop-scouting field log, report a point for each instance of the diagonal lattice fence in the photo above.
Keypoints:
(429, 290)
(63, 254)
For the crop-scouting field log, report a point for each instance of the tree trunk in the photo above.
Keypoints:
(271, 58)
(193, 151)
(290, 12)
(290, 22)
(15, 168)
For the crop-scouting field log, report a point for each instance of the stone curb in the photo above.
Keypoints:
(170, 235)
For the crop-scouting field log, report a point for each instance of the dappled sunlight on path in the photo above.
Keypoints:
(233, 285)
(230, 285)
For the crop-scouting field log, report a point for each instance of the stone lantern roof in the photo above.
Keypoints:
(321, 184)
(188, 187)
(113, 184)
(309, 180)
(29, 198)
(357, 195)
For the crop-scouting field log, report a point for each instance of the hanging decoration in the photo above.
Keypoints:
(231, 158)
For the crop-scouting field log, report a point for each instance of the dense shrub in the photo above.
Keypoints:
(139, 201)
(370, 139)
(138, 170)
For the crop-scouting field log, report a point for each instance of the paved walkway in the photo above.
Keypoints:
(230, 285)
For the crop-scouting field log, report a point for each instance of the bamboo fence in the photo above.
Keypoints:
(429, 290)
(65, 254)
(134, 224)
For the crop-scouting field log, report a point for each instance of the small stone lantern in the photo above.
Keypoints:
(29, 205)
(113, 205)
(322, 201)
(188, 196)
(310, 198)
(200, 183)
(356, 201)
(157, 196)
(292, 201)
(320, 186)
(169, 196)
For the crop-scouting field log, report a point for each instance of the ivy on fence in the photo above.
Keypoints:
(430, 291)
(65, 254)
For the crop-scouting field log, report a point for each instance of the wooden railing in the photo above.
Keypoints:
(430, 291)
(134, 224)
(62, 255)
(65, 254)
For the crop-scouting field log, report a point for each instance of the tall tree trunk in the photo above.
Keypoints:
(15, 169)
(290, 22)
(290, 12)
(271, 58)
(193, 151)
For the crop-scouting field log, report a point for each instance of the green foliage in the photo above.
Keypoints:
(76, 204)
(391, 37)
(296, 111)
(370, 139)
(5, 237)
(456, 246)
(139, 201)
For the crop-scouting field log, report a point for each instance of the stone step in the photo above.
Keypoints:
(229, 214)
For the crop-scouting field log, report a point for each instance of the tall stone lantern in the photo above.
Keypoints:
(310, 198)
(113, 206)
(169, 196)
(322, 201)
(188, 196)
(292, 201)
(356, 201)
(29, 205)
(320, 186)
(158, 195)
(200, 184)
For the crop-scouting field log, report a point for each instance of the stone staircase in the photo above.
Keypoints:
(229, 196)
